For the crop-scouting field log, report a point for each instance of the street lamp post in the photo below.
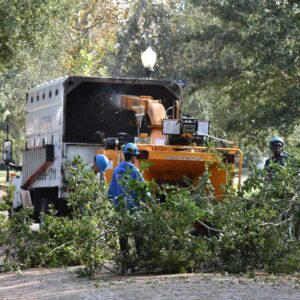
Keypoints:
(7, 113)
(148, 59)
(7, 166)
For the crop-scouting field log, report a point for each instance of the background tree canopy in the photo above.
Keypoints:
(249, 52)
(240, 58)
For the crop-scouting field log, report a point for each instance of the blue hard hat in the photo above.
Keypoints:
(275, 139)
(131, 148)
(102, 162)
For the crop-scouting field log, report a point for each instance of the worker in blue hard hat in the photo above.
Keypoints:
(276, 145)
(117, 186)
(101, 163)
(119, 189)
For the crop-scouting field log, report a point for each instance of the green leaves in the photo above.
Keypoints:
(258, 229)
(165, 227)
(250, 55)
(25, 29)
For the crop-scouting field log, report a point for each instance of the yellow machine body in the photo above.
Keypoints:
(173, 161)
(176, 164)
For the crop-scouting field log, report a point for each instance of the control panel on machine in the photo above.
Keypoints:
(185, 125)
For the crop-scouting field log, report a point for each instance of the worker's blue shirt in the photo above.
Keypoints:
(123, 173)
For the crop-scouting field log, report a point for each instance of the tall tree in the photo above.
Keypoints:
(151, 23)
(250, 56)
(27, 27)
(31, 42)
(91, 36)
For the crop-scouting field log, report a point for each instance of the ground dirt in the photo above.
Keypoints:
(64, 284)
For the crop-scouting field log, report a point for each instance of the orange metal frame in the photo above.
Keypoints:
(172, 163)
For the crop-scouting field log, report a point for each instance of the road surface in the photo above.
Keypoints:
(63, 284)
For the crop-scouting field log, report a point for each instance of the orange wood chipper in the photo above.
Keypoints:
(173, 146)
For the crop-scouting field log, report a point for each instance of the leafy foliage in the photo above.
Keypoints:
(91, 36)
(257, 229)
(80, 238)
(156, 24)
(44, 40)
(261, 227)
(7, 199)
(4, 231)
(248, 51)
(241, 58)
(31, 42)
(25, 27)
(164, 225)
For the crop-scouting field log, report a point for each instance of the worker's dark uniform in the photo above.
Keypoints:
(281, 160)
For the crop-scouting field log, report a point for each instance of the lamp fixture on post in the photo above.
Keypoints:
(148, 59)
